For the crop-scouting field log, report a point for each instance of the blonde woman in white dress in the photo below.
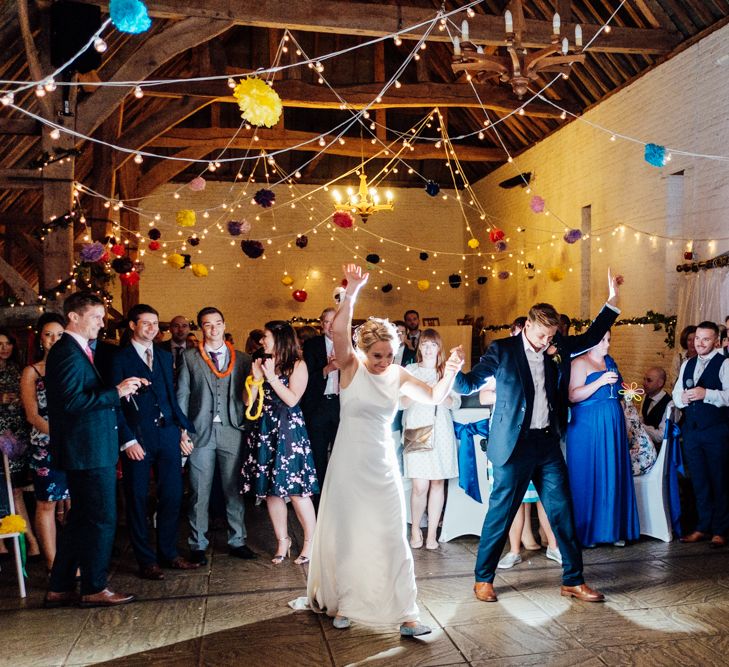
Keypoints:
(429, 468)
(361, 565)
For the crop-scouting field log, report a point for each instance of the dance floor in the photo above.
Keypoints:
(668, 604)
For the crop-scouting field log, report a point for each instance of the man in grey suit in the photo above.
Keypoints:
(210, 388)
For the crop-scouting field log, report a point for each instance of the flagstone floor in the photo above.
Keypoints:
(668, 604)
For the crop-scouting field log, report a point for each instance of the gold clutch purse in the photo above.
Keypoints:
(418, 439)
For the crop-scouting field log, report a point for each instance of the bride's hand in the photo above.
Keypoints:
(355, 278)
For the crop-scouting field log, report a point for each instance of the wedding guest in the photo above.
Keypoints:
(191, 341)
(687, 351)
(279, 466)
(517, 326)
(304, 333)
(643, 453)
(655, 403)
(177, 344)
(361, 566)
(49, 483)
(405, 354)
(253, 342)
(12, 419)
(412, 322)
(430, 450)
(598, 456)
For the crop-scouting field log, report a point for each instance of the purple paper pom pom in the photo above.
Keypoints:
(424, 256)
(265, 198)
(503, 275)
(387, 287)
(432, 188)
(481, 280)
(252, 249)
(154, 233)
(92, 252)
(572, 236)
(501, 246)
(193, 241)
(234, 227)
(302, 241)
(122, 264)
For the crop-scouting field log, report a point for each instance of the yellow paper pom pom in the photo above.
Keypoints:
(186, 218)
(12, 523)
(199, 270)
(423, 285)
(176, 260)
(287, 280)
(473, 243)
(556, 274)
(259, 103)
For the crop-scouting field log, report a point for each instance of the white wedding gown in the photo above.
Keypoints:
(361, 565)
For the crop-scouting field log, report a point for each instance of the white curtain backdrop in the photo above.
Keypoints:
(702, 296)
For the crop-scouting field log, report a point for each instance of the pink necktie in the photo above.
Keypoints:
(89, 353)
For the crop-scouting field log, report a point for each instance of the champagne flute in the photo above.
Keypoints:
(610, 367)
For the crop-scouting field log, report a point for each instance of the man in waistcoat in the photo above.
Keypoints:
(655, 403)
(210, 387)
(702, 391)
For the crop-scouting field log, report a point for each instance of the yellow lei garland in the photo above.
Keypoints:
(250, 381)
(12, 523)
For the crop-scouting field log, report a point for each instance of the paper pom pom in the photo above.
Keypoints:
(199, 270)
(287, 280)
(139, 267)
(372, 258)
(688, 255)
(432, 188)
(12, 523)
(253, 249)
(176, 260)
(265, 198)
(129, 16)
(496, 234)
(122, 264)
(118, 249)
(503, 275)
(302, 241)
(454, 280)
(299, 295)
(11, 446)
(387, 288)
(154, 233)
(129, 279)
(572, 236)
(197, 184)
(655, 155)
(188, 259)
(186, 218)
(193, 241)
(259, 104)
(530, 270)
(473, 243)
(423, 256)
(154, 245)
(423, 285)
(556, 274)
(105, 257)
(481, 280)
(343, 219)
(501, 246)
(92, 252)
(537, 204)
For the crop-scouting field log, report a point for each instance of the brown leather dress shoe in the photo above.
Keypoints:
(180, 563)
(717, 542)
(55, 599)
(582, 592)
(696, 536)
(106, 598)
(152, 572)
(485, 591)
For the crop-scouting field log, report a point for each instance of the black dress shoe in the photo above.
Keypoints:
(198, 556)
(242, 552)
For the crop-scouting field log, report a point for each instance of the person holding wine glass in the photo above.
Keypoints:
(598, 453)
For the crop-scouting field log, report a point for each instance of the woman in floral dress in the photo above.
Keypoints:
(279, 464)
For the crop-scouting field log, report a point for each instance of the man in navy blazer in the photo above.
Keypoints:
(528, 418)
(84, 442)
(152, 437)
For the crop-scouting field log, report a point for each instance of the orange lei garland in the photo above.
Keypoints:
(211, 365)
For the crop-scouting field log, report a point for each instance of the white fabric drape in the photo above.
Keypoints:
(702, 296)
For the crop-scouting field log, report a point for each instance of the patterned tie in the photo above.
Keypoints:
(148, 358)
(214, 356)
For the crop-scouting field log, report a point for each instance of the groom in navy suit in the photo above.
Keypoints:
(528, 418)
(153, 437)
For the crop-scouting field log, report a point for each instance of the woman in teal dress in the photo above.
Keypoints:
(279, 465)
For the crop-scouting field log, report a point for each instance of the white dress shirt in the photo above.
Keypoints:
(655, 434)
(83, 342)
(717, 397)
(333, 376)
(141, 350)
(221, 363)
(540, 411)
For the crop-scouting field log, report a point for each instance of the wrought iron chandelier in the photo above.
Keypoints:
(365, 201)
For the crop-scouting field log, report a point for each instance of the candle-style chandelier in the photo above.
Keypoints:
(518, 66)
(365, 201)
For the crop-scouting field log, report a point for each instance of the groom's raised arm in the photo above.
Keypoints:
(468, 383)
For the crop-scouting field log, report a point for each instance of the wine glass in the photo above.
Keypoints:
(610, 367)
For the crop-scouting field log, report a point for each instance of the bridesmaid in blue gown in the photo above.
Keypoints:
(598, 452)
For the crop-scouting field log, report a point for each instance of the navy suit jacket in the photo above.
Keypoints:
(506, 360)
(138, 424)
(315, 357)
(81, 410)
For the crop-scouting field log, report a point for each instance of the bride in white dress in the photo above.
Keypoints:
(361, 566)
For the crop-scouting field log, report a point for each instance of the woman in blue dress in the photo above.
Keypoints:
(598, 452)
(279, 465)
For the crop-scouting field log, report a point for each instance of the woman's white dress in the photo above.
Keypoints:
(441, 462)
(361, 565)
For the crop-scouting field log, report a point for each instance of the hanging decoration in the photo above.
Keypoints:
(122, 264)
(129, 16)
(155, 234)
(91, 252)
(537, 204)
(432, 188)
(343, 219)
(129, 279)
(176, 260)
(655, 155)
(364, 202)
(265, 198)
(423, 285)
(387, 287)
(188, 260)
(119, 250)
(154, 245)
(236, 228)
(302, 241)
(423, 256)
(496, 235)
(252, 249)
(186, 217)
(473, 243)
(482, 280)
(530, 270)
(199, 270)
(287, 280)
(299, 295)
(193, 241)
(197, 184)
(454, 280)
(501, 246)
(556, 273)
(372, 258)
(572, 235)
(503, 275)
(258, 102)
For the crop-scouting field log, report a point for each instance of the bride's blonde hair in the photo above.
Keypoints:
(376, 330)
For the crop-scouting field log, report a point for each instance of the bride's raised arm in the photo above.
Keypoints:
(342, 324)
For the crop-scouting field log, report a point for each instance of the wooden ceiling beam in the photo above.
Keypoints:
(355, 18)
(20, 179)
(19, 126)
(215, 138)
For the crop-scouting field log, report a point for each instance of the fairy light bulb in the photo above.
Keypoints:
(138, 158)
(138, 92)
(100, 45)
(55, 134)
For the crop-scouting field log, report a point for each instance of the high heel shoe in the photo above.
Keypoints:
(280, 558)
(303, 560)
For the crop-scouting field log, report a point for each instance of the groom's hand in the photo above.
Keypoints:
(614, 283)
